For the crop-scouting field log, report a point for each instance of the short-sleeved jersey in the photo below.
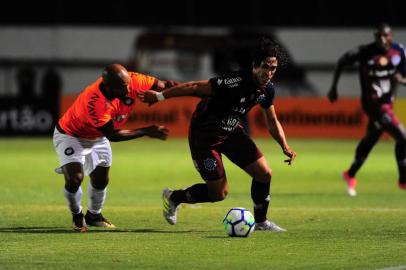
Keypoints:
(233, 96)
(92, 109)
(376, 69)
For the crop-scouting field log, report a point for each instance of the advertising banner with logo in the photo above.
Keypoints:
(301, 117)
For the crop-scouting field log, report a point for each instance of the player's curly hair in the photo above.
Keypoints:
(269, 48)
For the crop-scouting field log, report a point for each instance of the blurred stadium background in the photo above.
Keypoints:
(50, 51)
(48, 56)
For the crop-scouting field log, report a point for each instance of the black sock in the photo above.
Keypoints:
(361, 153)
(197, 193)
(260, 196)
(400, 152)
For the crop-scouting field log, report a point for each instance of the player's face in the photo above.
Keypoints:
(119, 88)
(265, 71)
(384, 38)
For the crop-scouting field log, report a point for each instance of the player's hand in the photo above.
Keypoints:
(332, 94)
(290, 154)
(148, 97)
(171, 83)
(157, 132)
(399, 78)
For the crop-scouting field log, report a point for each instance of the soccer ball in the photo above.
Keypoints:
(239, 222)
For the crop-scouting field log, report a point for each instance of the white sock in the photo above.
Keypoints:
(96, 199)
(74, 200)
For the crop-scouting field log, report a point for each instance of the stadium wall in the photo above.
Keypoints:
(301, 117)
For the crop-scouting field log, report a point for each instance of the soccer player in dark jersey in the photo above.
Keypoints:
(382, 65)
(215, 129)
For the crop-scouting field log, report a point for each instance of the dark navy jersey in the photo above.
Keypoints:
(376, 70)
(233, 96)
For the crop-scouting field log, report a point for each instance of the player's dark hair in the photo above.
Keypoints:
(382, 28)
(269, 48)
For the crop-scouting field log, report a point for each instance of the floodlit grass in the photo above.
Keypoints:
(326, 228)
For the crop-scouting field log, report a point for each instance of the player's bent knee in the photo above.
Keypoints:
(218, 196)
(73, 181)
(264, 177)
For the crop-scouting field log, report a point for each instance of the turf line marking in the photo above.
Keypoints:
(400, 267)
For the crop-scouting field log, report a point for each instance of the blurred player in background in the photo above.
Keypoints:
(215, 130)
(382, 65)
(83, 134)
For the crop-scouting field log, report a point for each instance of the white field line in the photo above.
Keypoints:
(400, 267)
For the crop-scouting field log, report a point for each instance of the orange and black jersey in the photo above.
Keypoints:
(92, 109)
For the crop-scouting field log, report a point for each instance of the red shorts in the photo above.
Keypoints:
(206, 152)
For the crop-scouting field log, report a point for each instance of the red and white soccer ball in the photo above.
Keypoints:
(239, 222)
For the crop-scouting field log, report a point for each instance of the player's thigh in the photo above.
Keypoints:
(207, 160)
(391, 124)
(73, 170)
(259, 170)
(100, 155)
(68, 148)
(241, 150)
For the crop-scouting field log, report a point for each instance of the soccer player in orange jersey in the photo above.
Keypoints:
(82, 136)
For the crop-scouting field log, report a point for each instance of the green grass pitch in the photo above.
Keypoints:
(326, 228)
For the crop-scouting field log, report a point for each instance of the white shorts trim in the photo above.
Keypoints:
(90, 153)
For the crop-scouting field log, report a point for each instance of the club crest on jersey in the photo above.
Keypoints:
(128, 101)
(261, 98)
(210, 164)
(69, 151)
(395, 60)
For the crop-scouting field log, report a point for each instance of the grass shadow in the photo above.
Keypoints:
(62, 230)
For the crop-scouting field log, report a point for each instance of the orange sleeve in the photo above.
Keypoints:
(141, 82)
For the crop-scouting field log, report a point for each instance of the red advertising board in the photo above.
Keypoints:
(300, 117)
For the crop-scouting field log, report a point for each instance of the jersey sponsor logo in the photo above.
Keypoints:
(383, 61)
(219, 81)
(230, 123)
(232, 82)
(210, 164)
(91, 106)
(239, 109)
(69, 151)
(129, 101)
(119, 118)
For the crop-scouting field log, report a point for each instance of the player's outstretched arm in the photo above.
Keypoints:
(276, 130)
(333, 93)
(118, 135)
(196, 89)
(347, 59)
(161, 85)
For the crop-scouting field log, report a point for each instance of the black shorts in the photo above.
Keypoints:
(206, 152)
